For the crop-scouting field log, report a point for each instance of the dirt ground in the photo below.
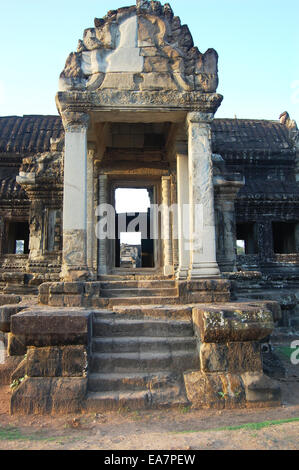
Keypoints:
(179, 429)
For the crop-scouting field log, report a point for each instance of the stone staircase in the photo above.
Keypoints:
(138, 357)
(143, 291)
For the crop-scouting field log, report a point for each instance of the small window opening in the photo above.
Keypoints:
(17, 238)
(246, 239)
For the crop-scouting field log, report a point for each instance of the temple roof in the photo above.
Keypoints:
(31, 134)
(28, 134)
(11, 190)
(234, 136)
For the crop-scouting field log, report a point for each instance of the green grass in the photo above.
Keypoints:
(14, 434)
(247, 426)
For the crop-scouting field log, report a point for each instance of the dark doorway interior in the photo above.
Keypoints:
(284, 238)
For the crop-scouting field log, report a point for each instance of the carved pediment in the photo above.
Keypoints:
(140, 48)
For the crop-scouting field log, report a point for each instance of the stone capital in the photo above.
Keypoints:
(74, 121)
(199, 118)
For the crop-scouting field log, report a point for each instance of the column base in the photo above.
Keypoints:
(168, 270)
(204, 270)
(75, 273)
(182, 273)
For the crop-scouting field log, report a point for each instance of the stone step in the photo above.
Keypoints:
(161, 312)
(143, 344)
(127, 301)
(131, 292)
(144, 327)
(141, 284)
(8, 299)
(134, 400)
(132, 381)
(140, 362)
(137, 276)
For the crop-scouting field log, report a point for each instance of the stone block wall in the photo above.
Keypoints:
(231, 373)
(55, 366)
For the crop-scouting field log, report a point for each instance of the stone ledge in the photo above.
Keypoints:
(231, 322)
(42, 326)
(6, 312)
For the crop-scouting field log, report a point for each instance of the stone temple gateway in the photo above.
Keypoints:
(184, 324)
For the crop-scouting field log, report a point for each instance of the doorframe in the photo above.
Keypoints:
(138, 183)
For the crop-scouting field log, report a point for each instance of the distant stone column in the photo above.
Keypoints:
(183, 214)
(103, 244)
(166, 231)
(201, 198)
(74, 265)
(1, 235)
(225, 196)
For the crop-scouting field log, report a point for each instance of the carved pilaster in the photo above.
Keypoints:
(103, 244)
(75, 197)
(201, 197)
(166, 226)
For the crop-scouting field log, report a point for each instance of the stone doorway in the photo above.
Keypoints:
(135, 249)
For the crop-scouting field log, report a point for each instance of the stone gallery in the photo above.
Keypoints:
(105, 305)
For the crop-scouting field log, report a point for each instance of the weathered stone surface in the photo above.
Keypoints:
(214, 390)
(63, 361)
(49, 395)
(6, 313)
(8, 368)
(52, 327)
(232, 323)
(9, 299)
(260, 389)
(150, 44)
(16, 345)
(20, 371)
(230, 357)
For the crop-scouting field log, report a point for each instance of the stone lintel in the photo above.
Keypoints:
(146, 101)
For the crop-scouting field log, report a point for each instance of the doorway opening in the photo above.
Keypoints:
(134, 248)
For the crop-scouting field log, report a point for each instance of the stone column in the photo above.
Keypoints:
(265, 241)
(74, 265)
(174, 222)
(166, 226)
(1, 234)
(90, 207)
(201, 198)
(103, 244)
(37, 230)
(225, 196)
(183, 215)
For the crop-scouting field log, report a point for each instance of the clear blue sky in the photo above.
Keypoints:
(257, 42)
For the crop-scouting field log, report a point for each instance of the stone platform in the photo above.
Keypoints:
(141, 356)
(110, 293)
